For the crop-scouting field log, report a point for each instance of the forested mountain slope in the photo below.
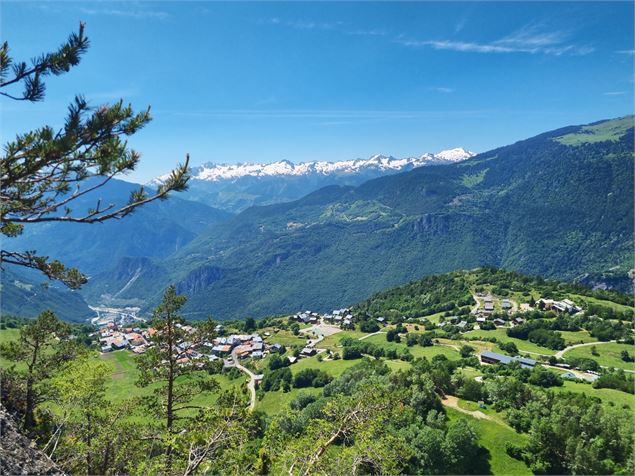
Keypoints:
(559, 205)
(154, 230)
(27, 293)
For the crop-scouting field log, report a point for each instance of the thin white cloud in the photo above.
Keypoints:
(442, 89)
(339, 26)
(304, 24)
(529, 39)
(626, 52)
(138, 14)
(460, 25)
(614, 93)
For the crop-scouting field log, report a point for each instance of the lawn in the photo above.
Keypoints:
(600, 302)
(493, 436)
(607, 395)
(609, 354)
(275, 402)
(501, 336)
(125, 374)
(286, 338)
(415, 350)
(334, 368)
(578, 337)
(332, 342)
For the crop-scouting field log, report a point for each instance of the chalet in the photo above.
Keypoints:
(276, 348)
(488, 306)
(381, 320)
(119, 343)
(257, 354)
(461, 325)
(488, 299)
(106, 348)
(494, 358)
(481, 320)
(518, 320)
(292, 359)
(222, 349)
(499, 322)
(308, 352)
(506, 304)
(243, 351)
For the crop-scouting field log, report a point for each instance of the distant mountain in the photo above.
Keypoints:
(235, 187)
(559, 205)
(27, 293)
(157, 229)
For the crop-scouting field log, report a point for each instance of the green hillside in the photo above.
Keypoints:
(27, 294)
(539, 206)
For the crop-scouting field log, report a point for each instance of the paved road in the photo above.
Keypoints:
(370, 335)
(251, 385)
(560, 353)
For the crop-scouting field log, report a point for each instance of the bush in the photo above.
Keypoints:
(301, 401)
(368, 326)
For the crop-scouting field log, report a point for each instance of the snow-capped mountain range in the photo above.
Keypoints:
(212, 172)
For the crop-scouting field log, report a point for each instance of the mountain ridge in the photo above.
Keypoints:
(557, 204)
(211, 171)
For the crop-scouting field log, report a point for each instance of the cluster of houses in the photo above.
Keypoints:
(488, 306)
(564, 306)
(243, 346)
(339, 317)
(112, 337)
(307, 317)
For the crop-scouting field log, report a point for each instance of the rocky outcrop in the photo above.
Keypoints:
(18, 454)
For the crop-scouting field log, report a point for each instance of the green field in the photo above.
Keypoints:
(286, 338)
(332, 342)
(415, 350)
(609, 354)
(607, 395)
(501, 336)
(493, 436)
(125, 374)
(615, 306)
(334, 368)
(275, 402)
(577, 337)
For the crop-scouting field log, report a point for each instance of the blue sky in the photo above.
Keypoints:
(239, 82)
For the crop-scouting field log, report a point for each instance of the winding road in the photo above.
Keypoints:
(251, 385)
(560, 353)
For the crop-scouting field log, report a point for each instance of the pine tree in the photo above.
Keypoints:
(176, 371)
(40, 350)
(43, 171)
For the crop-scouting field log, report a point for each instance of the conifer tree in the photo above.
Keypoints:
(42, 172)
(178, 374)
(40, 350)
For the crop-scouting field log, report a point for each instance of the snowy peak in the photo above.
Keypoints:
(454, 155)
(381, 163)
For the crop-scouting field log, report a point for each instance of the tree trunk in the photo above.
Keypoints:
(29, 414)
